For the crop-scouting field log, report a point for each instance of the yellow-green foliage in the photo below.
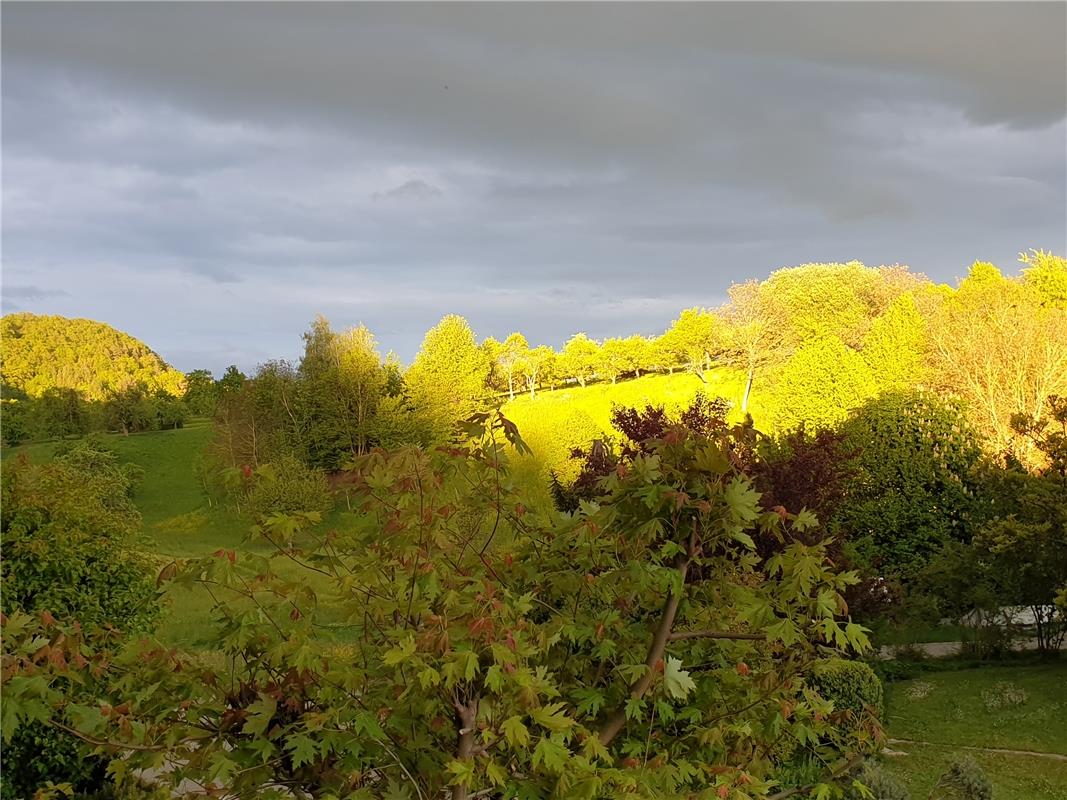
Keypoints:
(840, 300)
(1047, 275)
(820, 383)
(556, 422)
(894, 348)
(50, 352)
(448, 373)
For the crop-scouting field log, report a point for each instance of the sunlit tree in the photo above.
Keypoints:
(448, 374)
(579, 358)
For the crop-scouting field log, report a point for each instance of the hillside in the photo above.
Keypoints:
(53, 352)
(557, 421)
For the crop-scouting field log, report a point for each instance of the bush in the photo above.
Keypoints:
(39, 753)
(880, 784)
(285, 486)
(916, 461)
(963, 780)
(851, 685)
(858, 698)
(68, 528)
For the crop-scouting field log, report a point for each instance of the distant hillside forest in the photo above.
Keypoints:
(64, 376)
(812, 342)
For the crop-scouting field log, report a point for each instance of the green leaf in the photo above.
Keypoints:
(303, 749)
(260, 713)
(676, 680)
(552, 717)
(784, 631)
(462, 772)
(515, 732)
(401, 653)
(552, 754)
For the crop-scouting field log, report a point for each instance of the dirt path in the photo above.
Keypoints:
(1005, 751)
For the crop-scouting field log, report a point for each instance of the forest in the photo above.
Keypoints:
(659, 565)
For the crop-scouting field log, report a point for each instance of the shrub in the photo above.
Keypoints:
(851, 685)
(879, 783)
(857, 697)
(68, 529)
(479, 630)
(39, 753)
(285, 486)
(963, 780)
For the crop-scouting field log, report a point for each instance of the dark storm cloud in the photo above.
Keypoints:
(209, 176)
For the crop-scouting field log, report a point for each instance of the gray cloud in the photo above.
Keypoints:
(212, 175)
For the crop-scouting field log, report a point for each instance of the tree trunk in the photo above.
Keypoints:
(511, 387)
(466, 715)
(617, 721)
(748, 390)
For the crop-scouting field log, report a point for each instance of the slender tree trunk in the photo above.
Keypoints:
(511, 386)
(617, 721)
(748, 390)
(466, 715)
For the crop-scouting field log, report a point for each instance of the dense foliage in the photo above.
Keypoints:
(94, 359)
(640, 647)
(67, 529)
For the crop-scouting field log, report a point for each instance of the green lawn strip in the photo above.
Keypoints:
(1016, 707)
(1014, 777)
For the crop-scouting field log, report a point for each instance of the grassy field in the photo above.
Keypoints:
(1020, 707)
(556, 422)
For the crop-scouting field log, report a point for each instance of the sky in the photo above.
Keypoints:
(208, 177)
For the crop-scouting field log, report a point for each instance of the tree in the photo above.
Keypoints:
(1002, 349)
(916, 464)
(231, 381)
(832, 300)
(129, 409)
(694, 338)
(819, 385)
(755, 338)
(342, 381)
(538, 365)
(638, 647)
(615, 358)
(1046, 275)
(643, 355)
(509, 357)
(200, 392)
(448, 374)
(58, 412)
(895, 347)
(579, 358)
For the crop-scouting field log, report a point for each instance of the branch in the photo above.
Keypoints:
(617, 720)
(674, 637)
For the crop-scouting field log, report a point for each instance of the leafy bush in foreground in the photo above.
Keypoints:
(67, 529)
(638, 648)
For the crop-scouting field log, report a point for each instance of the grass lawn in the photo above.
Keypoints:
(1018, 707)
(555, 422)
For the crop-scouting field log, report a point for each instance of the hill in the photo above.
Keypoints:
(52, 352)
(557, 421)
